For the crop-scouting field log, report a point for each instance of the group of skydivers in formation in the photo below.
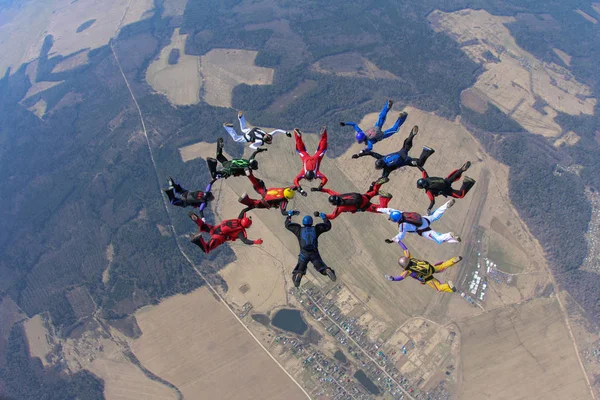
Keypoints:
(307, 233)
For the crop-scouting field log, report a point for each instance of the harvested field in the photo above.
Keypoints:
(472, 99)
(37, 337)
(30, 22)
(570, 139)
(193, 342)
(180, 82)
(351, 65)
(174, 8)
(515, 80)
(224, 69)
(501, 347)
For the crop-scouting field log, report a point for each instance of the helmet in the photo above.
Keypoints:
(422, 183)
(246, 222)
(379, 164)
(268, 139)
(307, 220)
(335, 200)
(403, 261)
(310, 175)
(288, 193)
(360, 137)
(395, 216)
(253, 164)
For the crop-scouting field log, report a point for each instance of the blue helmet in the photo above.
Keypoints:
(307, 220)
(360, 137)
(395, 216)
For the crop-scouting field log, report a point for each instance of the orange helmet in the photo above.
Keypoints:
(246, 222)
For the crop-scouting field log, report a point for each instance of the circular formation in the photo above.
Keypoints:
(307, 234)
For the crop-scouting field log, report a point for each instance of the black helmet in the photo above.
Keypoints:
(335, 200)
(310, 175)
(253, 164)
(379, 164)
(422, 183)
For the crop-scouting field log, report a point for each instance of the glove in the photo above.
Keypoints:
(355, 156)
(322, 215)
(303, 193)
(291, 213)
(342, 124)
(388, 241)
(317, 189)
(389, 278)
(288, 134)
(316, 213)
(258, 241)
(260, 150)
(429, 211)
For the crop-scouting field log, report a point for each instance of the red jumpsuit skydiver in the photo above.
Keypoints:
(353, 202)
(272, 197)
(310, 164)
(228, 230)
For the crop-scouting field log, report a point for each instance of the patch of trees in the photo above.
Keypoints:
(85, 25)
(173, 57)
(25, 378)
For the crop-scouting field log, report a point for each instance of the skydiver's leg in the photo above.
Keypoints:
(212, 167)
(425, 155)
(234, 135)
(389, 132)
(447, 264)
(408, 143)
(440, 238)
(466, 186)
(220, 157)
(198, 240)
(454, 176)
(259, 185)
(202, 226)
(242, 119)
(383, 114)
(437, 214)
(440, 287)
(172, 199)
(322, 147)
(300, 269)
(215, 241)
(300, 147)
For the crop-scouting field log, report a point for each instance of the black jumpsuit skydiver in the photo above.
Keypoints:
(308, 239)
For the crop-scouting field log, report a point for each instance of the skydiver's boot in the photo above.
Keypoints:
(171, 182)
(385, 195)
(382, 180)
(296, 278)
(240, 114)
(228, 124)
(212, 167)
(198, 240)
(455, 237)
(404, 114)
(467, 185)
(390, 103)
(198, 220)
(245, 200)
(297, 132)
(331, 274)
(425, 154)
(413, 131)
(450, 203)
(170, 194)
(451, 286)
(466, 166)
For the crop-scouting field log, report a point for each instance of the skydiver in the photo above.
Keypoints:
(235, 167)
(353, 202)
(256, 136)
(421, 225)
(308, 239)
(435, 186)
(272, 197)
(423, 271)
(310, 164)
(196, 199)
(228, 230)
(399, 159)
(376, 134)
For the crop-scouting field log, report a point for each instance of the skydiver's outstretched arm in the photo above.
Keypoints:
(276, 131)
(405, 249)
(329, 192)
(244, 211)
(292, 226)
(352, 124)
(401, 233)
(431, 201)
(363, 153)
(283, 207)
(398, 278)
(207, 190)
(324, 226)
(297, 180)
(334, 214)
(387, 211)
(256, 144)
(253, 155)
(247, 241)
